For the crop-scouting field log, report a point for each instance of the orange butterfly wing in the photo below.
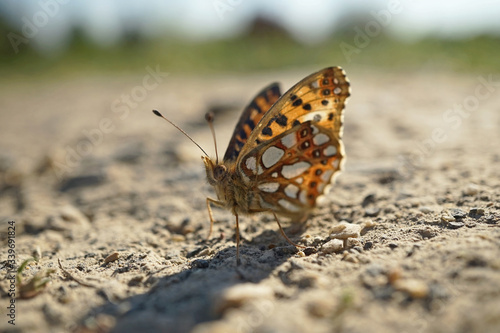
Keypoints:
(249, 119)
(296, 148)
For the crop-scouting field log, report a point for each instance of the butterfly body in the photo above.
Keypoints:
(285, 150)
(231, 193)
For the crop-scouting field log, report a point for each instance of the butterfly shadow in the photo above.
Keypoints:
(178, 301)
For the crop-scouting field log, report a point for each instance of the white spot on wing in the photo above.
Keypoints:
(294, 170)
(291, 191)
(289, 140)
(302, 197)
(320, 138)
(314, 129)
(269, 187)
(335, 163)
(299, 180)
(330, 151)
(337, 91)
(251, 163)
(313, 116)
(327, 175)
(315, 84)
(288, 205)
(271, 156)
(274, 175)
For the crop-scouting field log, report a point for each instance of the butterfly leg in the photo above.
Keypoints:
(283, 232)
(238, 262)
(215, 202)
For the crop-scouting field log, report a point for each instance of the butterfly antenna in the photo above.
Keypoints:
(209, 116)
(156, 112)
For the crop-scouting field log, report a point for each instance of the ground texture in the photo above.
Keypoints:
(92, 179)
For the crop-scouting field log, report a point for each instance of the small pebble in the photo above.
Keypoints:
(204, 252)
(112, 257)
(369, 224)
(455, 225)
(476, 211)
(309, 250)
(332, 246)
(368, 245)
(393, 245)
(447, 217)
(345, 230)
(471, 189)
(416, 289)
(458, 213)
(372, 211)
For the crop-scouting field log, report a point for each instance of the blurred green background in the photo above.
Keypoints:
(48, 39)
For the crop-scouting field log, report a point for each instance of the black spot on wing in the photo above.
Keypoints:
(250, 124)
(255, 106)
(306, 144)
(242, 134)
(282, 120)
(275, 91)
(267, 131)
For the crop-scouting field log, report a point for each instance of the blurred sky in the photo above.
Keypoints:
(106, 21)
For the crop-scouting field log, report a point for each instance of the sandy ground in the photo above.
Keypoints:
(93, 179)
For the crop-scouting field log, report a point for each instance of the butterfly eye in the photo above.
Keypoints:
(220, 172)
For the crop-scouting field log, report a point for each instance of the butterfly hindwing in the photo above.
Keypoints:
(249, 119)
(293, 170)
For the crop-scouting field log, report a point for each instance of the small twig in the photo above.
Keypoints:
(68, 275)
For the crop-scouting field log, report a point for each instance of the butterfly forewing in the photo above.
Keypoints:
(319, 97)
(249, 119)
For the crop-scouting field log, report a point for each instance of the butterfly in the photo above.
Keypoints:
(284, 152)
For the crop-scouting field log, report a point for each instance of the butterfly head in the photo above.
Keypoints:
(218, 177)
(216, 172)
